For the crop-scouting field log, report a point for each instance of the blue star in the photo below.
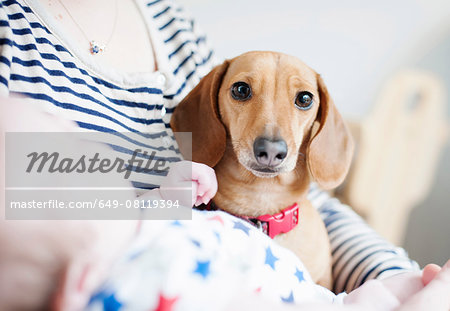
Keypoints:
(176, 223)
(239, 225)
(110, 303)
(202, 268)
(136, 254)
(196, 243)
(95, 297)
(299, 275)
(270, 258)
(219, 239)
(289, 299)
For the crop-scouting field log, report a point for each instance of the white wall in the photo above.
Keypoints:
(354, 44)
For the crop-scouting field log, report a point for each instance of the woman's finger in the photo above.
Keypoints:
(429, 273)
(435, 296)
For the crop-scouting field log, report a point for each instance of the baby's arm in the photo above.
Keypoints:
(188, 182)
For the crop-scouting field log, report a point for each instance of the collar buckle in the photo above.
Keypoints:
(283, 222)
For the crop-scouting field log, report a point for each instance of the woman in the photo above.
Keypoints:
(124, 66)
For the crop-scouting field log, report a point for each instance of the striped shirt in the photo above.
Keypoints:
(36, 60)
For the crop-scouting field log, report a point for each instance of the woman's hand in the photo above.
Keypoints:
(436, 293)
(429, 290)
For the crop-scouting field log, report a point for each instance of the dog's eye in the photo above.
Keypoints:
(304, 100)
(241, 91)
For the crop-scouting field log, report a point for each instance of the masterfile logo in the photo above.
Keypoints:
(54, 163)
(90, 175)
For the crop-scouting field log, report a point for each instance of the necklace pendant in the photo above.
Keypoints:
(96, 47)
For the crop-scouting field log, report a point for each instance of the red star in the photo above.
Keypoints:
(258, 290)
(165, 304)
(218, 218)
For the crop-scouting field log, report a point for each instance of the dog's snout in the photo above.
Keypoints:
(269, 152)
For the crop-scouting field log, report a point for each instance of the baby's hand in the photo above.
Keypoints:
(184, 176)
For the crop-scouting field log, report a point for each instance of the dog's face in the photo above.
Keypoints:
(266, 104)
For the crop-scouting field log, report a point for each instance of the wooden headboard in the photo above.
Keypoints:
(397, 152)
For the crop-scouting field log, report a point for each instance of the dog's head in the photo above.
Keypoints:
(276, 113)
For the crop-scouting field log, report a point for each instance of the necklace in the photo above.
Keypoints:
(95, 46)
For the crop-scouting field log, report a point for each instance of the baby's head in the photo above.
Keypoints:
(56, 265)
(34, 257)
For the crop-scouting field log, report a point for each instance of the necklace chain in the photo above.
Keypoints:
(95, 46)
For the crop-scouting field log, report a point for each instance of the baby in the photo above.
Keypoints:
(206, 263)
(215, 262)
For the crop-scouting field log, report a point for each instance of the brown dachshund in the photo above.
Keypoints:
(266, 123)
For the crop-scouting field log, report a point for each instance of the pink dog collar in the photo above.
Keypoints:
(282, 222)
(272, 225)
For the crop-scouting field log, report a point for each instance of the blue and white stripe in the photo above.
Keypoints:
(36, 63)
(359, 253)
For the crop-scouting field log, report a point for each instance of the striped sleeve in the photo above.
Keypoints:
(359, 253)
(188, 50)
(208, 57)
(5, 51)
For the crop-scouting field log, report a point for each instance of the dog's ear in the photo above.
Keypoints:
(330, 150)
(198, 113)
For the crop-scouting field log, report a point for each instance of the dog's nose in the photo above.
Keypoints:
(269, 152)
